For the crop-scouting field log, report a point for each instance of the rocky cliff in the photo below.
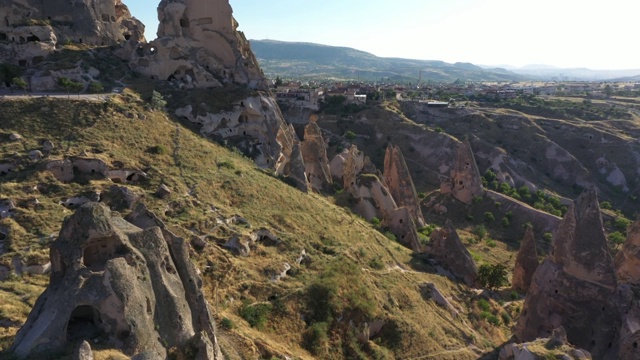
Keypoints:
(121, 285)
(198, 45)
(400, 184)
(526, 262)
(31, 29)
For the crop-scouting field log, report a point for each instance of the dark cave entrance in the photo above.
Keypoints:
(84, 324)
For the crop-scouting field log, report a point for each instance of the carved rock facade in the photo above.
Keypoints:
(131, 287)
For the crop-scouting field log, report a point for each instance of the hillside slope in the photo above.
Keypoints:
(308, 60)
(361, 276)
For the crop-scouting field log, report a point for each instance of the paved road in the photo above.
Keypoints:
(82, 97)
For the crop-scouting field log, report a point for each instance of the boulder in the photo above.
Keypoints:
(163, 192)
(447, 248)
(35, 155)
(48, 145)
(7, 208)
(526, 262)
(15, 137)
(119, 198)
(130, 287)
(83, 352)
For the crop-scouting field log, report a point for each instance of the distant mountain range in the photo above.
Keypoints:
(315, 61)
(308, 60)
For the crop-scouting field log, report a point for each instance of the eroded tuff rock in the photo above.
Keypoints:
(465, 182)
(398, 180)
(198, 45)
(628, 259)
(130, 287)
(314, 153)
(68, 169)
(373, 199)
(526, 262)
(447, 248)
(30, 29)
(255, 126)
(575, 287)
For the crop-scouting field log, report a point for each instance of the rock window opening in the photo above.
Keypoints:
(127, 37)
(99, 251)
(635, 345)
(84, 324)
(3, 36)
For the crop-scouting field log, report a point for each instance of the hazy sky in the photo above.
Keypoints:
(563, 33)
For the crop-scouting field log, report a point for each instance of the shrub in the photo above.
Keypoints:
(616, 237)
(390, 235)
(158, 150)
(505, 222)
(621, 224)
(375, 222)
(491, 243)
(316, 338)
(350, 135)
(492, 276)
(547, 236)
(480, 231)
(605, 205)
(491, 319)
(439, 129)
(256, 315)
(483, 304)
(157, 101)
(376, 263)
(488, 216)
(226, 323)
(96, 87)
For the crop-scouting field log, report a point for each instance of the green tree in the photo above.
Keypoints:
(20, 82)
(157, 101)
(96, 87)
(278, 81)
(492, 276)
(608, 90)
(69, 85)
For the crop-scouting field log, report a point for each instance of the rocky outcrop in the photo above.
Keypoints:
(199, 46)
(447, 248)
(256, 127)
(314, 153)
(69, 169)
(555, 346)
(575, 287)
(526, 262)
(126, 286)
(628, 258)
(398, 180)
(30, 30)
(465, 182)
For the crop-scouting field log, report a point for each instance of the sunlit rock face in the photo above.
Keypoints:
(199, 46)
(30, 29)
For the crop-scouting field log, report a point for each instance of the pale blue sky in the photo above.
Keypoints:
(563, 33)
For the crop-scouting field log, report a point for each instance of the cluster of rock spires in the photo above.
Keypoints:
(576, 286)
(125, 283)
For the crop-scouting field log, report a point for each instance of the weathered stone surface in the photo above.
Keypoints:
(83, 352)
(198, 45)
(48, 145)
(15, 137)
(526, 262)
(465, 182)
(628, 259)
(255, 126)
(430, 291)
(314, 154)
(35, 155)
(575, 286)
(399, 182)
(447, 248)
(119, 198)
(32, 29)
(133, 288)
(163, 192)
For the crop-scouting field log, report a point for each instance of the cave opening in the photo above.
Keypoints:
(84, 324)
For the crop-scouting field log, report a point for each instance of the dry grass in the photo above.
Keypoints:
(204, 192)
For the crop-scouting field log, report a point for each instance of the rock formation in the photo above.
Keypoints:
(398, 180)
(314, 153)
(628, 258)
(526, 262)
(30, 30)
(575, 287)
(125, 286)
(447, 248)
(465, 182)
(255, 126)
(198, 45)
